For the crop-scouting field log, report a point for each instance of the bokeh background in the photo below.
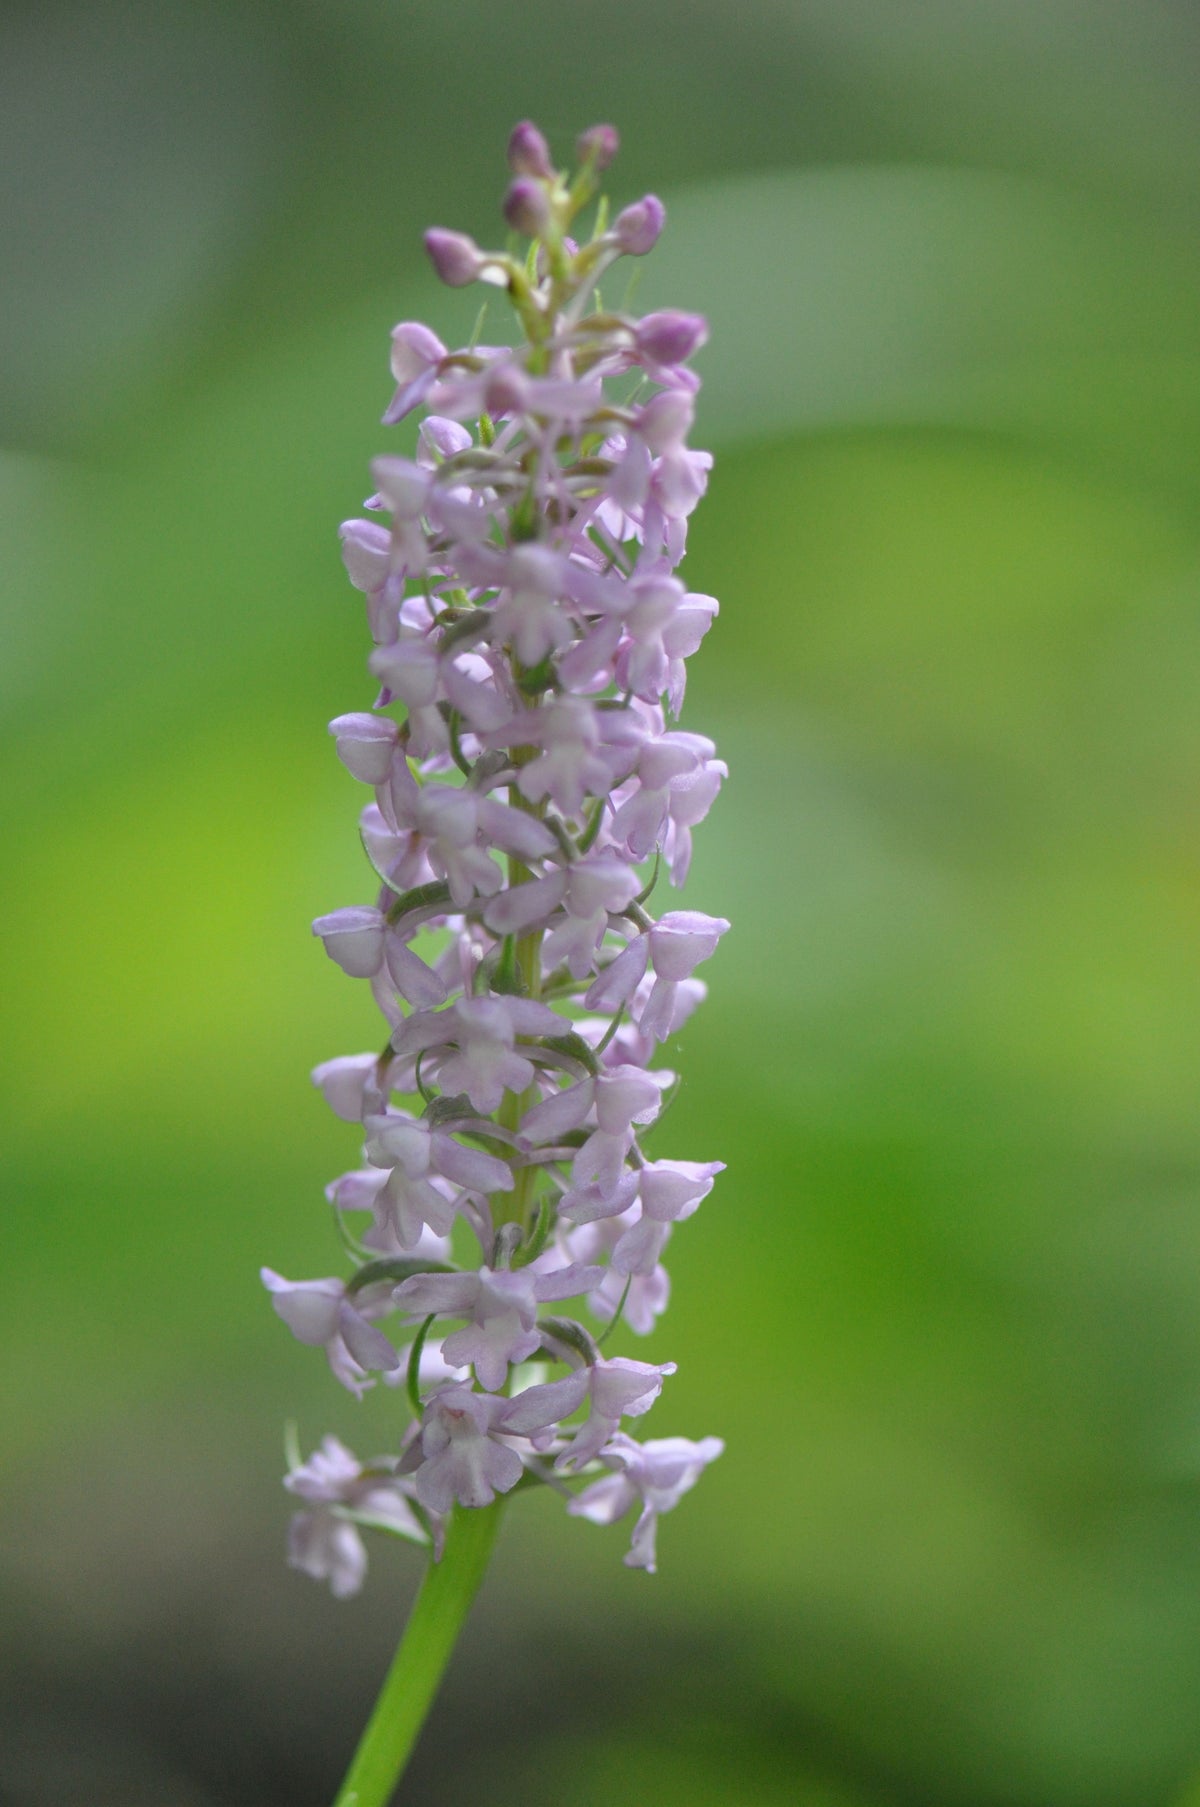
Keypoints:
(944, 1304)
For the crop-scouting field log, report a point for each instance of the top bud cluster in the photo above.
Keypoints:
(521, 595)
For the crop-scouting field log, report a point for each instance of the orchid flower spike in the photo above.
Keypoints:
(528, 786)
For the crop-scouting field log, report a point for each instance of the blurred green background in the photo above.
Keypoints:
(943, 1306)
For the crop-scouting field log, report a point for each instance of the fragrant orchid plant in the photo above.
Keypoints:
(531, 633)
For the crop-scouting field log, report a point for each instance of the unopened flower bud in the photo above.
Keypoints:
(636, 228)
(456, 257)
(528, 152)
(527, 207)
(670, 337)
(598, 146)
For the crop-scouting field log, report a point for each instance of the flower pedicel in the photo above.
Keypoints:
(531, 788)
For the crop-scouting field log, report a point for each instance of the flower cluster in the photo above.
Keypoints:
(519, 576)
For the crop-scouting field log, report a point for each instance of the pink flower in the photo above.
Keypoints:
(616, 1389)
(339, 1494)
(360, 941)
(467, 1456)
(656, 1474)
(502, 1308)
(324, 1313)
(416, 356)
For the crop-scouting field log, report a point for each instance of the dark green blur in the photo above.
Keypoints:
(944, 1304)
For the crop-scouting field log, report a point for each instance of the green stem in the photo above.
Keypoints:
(517, 1206)
(441, 1606)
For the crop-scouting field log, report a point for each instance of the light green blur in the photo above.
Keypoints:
(943, 1306)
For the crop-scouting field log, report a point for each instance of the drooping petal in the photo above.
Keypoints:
(353, 939)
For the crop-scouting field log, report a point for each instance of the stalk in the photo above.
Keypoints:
(438, 1614)
(516, 1206)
